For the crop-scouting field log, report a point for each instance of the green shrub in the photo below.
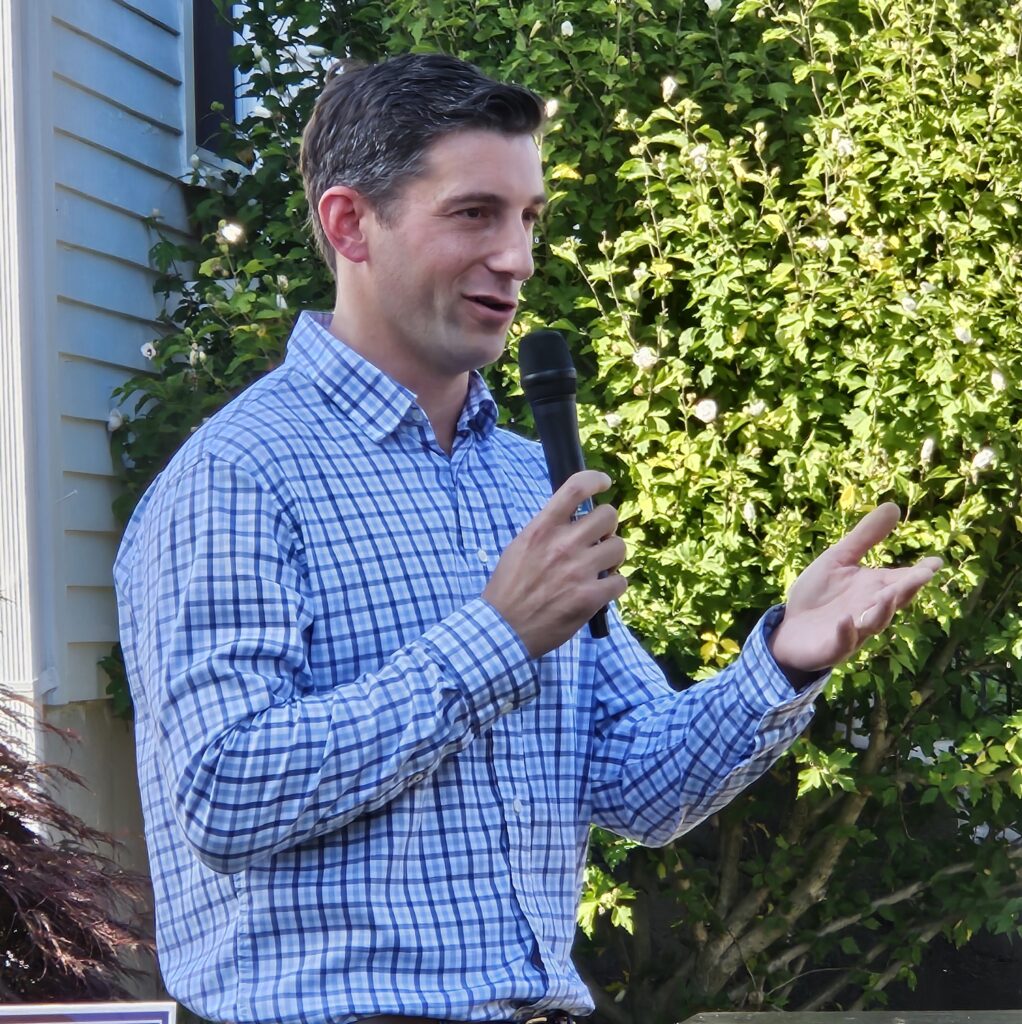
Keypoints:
(783, 240)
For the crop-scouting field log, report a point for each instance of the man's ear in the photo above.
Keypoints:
(342, 212)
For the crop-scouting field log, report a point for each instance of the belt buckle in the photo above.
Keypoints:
(552, 1017)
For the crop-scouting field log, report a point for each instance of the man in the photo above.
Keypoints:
(372, 730)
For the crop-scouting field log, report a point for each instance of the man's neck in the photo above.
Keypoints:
(440, 397)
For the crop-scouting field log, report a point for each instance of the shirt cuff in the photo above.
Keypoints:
(773, 690)
(488, 660)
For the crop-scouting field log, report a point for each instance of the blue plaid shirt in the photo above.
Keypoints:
(361, 794)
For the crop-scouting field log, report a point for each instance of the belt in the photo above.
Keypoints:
(550, 1017)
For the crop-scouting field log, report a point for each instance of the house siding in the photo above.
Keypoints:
(118, 100)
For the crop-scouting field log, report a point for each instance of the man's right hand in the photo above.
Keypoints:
(547, 582)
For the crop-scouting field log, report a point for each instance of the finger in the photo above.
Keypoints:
(610, 588)
(868, 532)
(877, 617)
(897, 595)
(912, 579)
(605, 557)
(573, 492)
(598, 525)
(889, 576)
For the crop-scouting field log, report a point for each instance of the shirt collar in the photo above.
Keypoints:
(362, 391)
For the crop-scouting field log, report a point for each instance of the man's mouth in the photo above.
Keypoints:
(494, 303)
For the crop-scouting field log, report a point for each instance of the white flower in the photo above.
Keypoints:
(997, 381)
(257, 51)
(927, 287)
(705, 410)
(281, 301)
(837, 214)
(926, 452)
(844, 146)
(155, 213)
(645, 358)
(983, 459)
(909, 304)
(821, 245)
(668, 87)
(283, 282)
(756, 408)
(115, 420)
(1011, 50)
(749, 513)
(551, 108)
(149, 350)
(567, 29)
(698, 155)
(230, 233)
(613, 420)
(196, 355)
(264, 66)
(963, 334)
(713, 6)
(195, 160)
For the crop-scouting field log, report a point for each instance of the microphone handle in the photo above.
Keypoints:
(557, 424)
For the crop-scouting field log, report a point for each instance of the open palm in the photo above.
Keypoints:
(836, 604)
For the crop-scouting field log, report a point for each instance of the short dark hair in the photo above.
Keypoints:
(373, 123)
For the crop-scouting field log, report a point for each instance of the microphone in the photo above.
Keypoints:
(549, 381)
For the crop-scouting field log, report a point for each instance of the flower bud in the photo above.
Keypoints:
(645, 358)
(705, 410)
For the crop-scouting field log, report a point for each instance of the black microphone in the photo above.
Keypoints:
(548, 380)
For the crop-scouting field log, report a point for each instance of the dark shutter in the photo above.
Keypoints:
(212, 39)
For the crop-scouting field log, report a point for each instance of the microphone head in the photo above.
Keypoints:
(547, 371)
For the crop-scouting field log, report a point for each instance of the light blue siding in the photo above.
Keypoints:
(116, 78)
(97, 333)
(85, 507)
(88, 447)
(113, 128)
(167, 13)
(117, 27)
(106, 284)
(108, 178)
(119, 125)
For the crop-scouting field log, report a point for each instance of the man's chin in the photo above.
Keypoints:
(478, 348)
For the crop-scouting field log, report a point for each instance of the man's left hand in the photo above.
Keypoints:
(836, 604)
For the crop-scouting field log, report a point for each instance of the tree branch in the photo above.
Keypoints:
(826, 994)
(815, 880)
(605, 1005)
(731, 834)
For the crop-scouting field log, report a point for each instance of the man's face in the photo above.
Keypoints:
(447, 265)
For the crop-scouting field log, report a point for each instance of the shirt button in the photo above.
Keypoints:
(483, 556)
(417, 415)
(417, 778)
(517, 806)
(506, 709)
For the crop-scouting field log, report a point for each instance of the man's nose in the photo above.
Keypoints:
(513, 252)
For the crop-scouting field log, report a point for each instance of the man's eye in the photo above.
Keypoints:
(472, 212)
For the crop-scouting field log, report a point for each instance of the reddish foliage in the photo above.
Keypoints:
(68, 912)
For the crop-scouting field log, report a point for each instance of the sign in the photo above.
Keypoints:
(89, 1013)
